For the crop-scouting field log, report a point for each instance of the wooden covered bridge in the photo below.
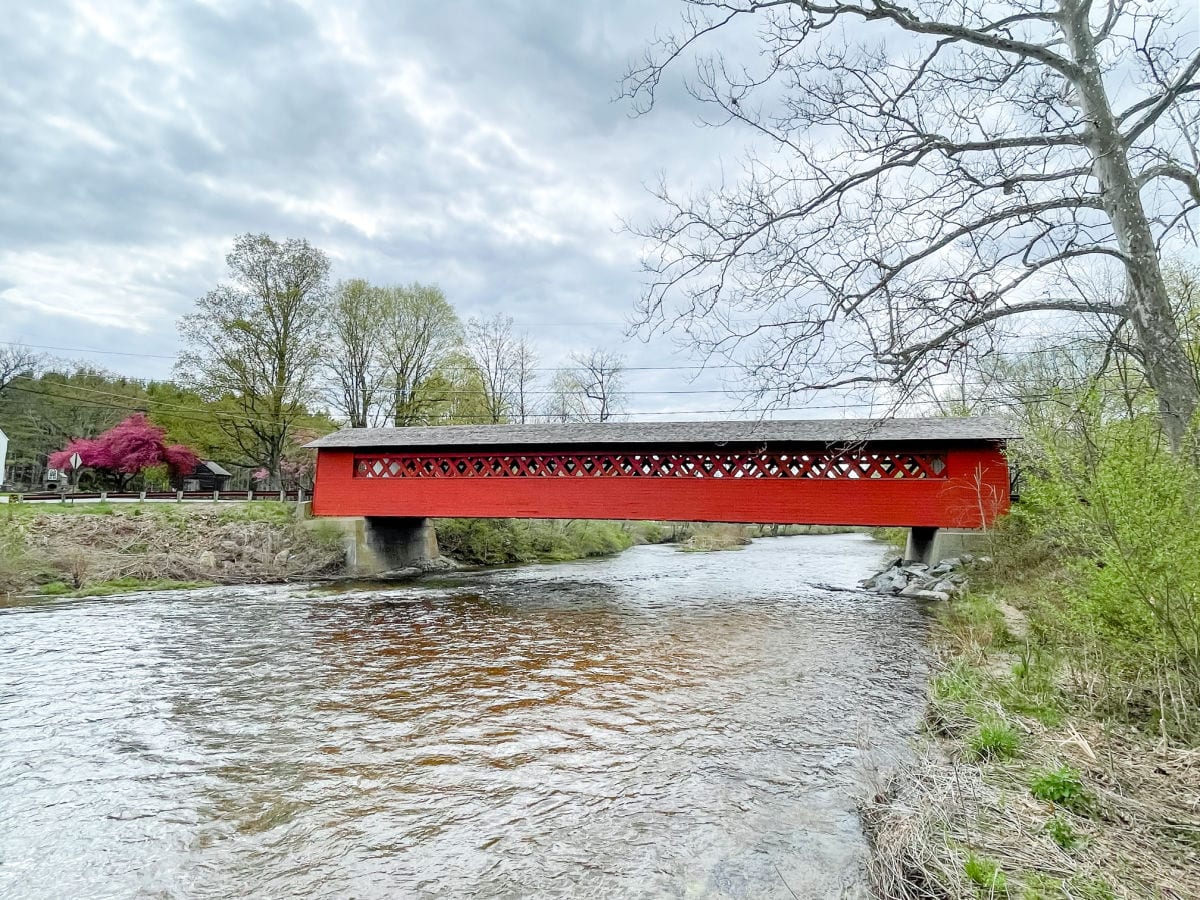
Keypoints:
(923, 474)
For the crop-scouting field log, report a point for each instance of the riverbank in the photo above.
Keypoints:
(1030, 783)
(91, 549)
(97, 548)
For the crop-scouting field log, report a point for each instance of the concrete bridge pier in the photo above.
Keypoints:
(929, 545)
(379, 544)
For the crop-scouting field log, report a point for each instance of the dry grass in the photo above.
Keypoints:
(1141, 841)
(706, 538)
(200, 545)
(950, 815)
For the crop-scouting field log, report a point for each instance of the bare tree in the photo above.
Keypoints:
(422, 331)
(948, 172)
(590, 390)
(17, 362)
(492, 349)
(257, 343)
(356, 365)
(525, 377)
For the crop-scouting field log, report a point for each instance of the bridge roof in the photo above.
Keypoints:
(594, 434)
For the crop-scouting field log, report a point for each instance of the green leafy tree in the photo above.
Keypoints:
(256, 343)
(422, 331)
(357, 366)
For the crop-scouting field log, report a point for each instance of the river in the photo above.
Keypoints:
(655, 724)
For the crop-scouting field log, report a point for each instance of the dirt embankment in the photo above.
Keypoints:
(243, 544)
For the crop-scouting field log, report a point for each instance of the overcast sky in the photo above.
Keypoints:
(479, 146)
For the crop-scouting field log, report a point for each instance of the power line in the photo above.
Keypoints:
(137, 403)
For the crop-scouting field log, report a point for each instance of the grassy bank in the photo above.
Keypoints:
(498, 542)
(1061, 757)
(95, 549)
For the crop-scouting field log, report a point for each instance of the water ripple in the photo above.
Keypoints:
(655, 725)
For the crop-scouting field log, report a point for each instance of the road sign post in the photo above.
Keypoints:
(76, 461)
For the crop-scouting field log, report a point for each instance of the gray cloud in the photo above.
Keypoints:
(473, 145)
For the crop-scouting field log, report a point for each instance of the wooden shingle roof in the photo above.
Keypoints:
(598, 434)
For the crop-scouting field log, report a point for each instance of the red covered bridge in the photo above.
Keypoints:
(918, 473)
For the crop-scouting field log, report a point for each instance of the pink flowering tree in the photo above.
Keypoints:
(127, 450)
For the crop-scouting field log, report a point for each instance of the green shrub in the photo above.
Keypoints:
(497, 542)
(1062, 787)
(1121, 510)
(986, 874)
(994, 738)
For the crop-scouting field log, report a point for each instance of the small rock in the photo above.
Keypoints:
(403, 574)
(207, 560)
(967, 558)
(915, 593)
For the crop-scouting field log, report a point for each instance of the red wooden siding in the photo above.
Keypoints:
(949, 487)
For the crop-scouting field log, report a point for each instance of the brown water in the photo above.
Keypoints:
(659, 724)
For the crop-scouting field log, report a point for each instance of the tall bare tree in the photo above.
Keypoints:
(492, 348)
(591, 389)
(922, 169)
(358, 372)
(256, 342)
(422, 332)
(525, 377)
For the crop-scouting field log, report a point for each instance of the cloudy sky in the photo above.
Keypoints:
(479, 146)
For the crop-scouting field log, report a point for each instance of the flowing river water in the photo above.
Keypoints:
(656, 724)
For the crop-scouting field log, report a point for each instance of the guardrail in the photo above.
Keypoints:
(294, 496)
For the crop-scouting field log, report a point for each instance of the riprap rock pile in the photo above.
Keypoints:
(920, 581)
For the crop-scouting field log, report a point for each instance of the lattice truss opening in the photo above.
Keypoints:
(653, 465)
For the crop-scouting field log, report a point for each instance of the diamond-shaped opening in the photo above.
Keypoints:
(937, 465)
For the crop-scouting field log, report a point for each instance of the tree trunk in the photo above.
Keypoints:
(1164, 358)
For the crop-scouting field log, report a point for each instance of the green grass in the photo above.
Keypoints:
(1062, 833)
(961, 683)
(118, 586)
(230, 510)
(987, 876)
(1091, 888)
(30, 510)
(994, 738)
